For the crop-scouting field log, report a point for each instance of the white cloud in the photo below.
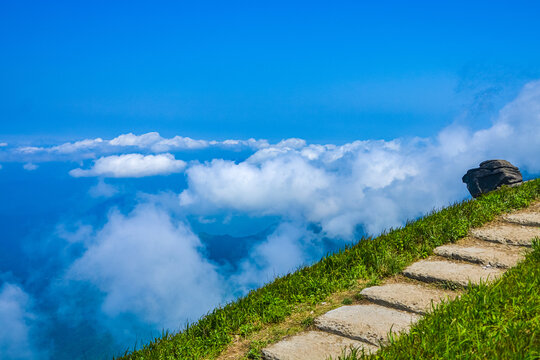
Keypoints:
(30, 166)
(149, 265)
(3, 144)
(66, 148)
(274, 186)
(179, 143)
(154, 142)
(132, 165)
(377, 184)
(330, 188)
(150, 142)
(239, 144)
(292, 143)
(131, 139)
(16, 321)
(70, 148)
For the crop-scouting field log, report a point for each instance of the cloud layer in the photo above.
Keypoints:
(373, 183)
(149, 265)
(150, 142)
(147, 262)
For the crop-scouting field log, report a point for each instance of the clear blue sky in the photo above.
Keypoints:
(318, 70)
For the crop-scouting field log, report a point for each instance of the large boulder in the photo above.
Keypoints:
(491, 175)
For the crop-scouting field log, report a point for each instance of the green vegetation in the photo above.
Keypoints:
(496, 321)
(347, 301)
(368, 260)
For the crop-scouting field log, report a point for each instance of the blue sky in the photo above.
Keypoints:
(320, 71)
(159, 159)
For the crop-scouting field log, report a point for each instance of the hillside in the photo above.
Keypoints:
(296, 298)
(496, 321)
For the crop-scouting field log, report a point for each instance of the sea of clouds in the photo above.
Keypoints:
(146, 268)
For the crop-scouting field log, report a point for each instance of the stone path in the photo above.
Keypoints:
(483, 256)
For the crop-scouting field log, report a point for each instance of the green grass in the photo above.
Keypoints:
(370, 259)
(496, 321)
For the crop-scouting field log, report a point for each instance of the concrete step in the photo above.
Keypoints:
(370, 323)
(313, 345)
(496, 255)
(524, 218)
(408, 297)
(507, 234)
(451, 272)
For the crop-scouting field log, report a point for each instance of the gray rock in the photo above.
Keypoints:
(491, 175)
(450, 272)
(507, 234)
(524, 218)
(408, 297)
(370, 323)
(313, 345)
(503, 256)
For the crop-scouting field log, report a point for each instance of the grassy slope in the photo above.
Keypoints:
(497, 321)
(383, 256)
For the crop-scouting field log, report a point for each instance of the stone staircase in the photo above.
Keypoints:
(394, 306)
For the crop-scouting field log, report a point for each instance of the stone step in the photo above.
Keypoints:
(370, 323)
(525, 218)
(313, 345)
(396, 306)
(451, 272)
(507, 234)
(408, 297)
(503, 256)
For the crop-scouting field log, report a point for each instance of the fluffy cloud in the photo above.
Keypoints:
(149, 265)
(141, 141)
(330, 186)
(377, 184)
(293, 143)
(275, 186)
(155, 142)
(132, 165)
(16, 319)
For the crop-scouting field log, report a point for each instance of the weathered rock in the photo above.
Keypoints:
(525, 218)
(503, 256)
(491, 175)
(313, 345)
(507, 234)
(370, 323)
(450, 272)
(408, 297)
